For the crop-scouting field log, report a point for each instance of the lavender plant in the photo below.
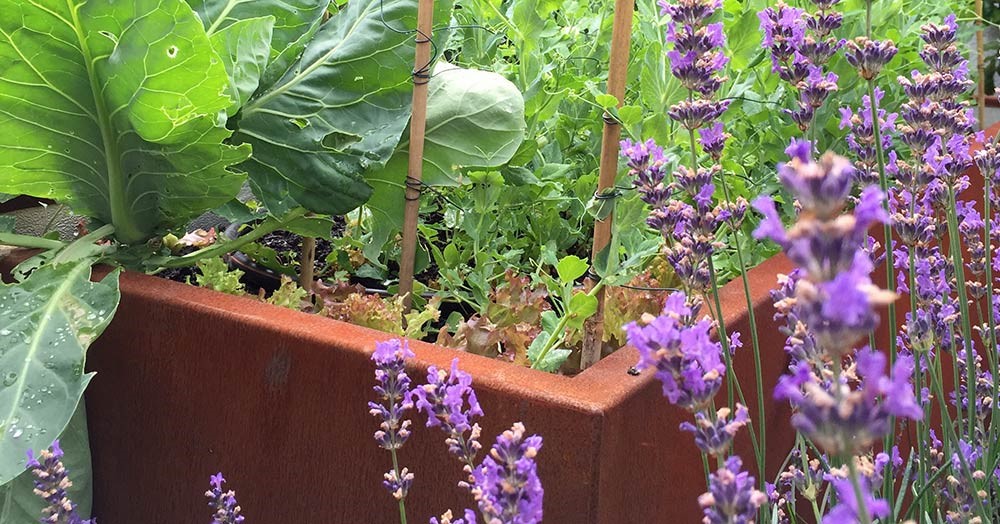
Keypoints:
(851, 398)
(52, 484)
(223, 503)
(505, 484)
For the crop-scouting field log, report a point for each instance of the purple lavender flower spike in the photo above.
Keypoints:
(846, 512)
(647, 164)
(868, 56)
(687, 361)
(468, 518)
(716, 436)
(450, 403)
(223, 503)
(713, 139)
(731, 496)
(52, 484)
(694, 114)
(784, 31)
(394, 391)
(506, 486)
(846, 421)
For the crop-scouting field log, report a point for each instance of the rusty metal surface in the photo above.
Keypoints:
(190, 382)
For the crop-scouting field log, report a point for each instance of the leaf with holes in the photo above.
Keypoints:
(295, 22)
(337, 112)
(113, 108)
(47, 322)
(243, 48)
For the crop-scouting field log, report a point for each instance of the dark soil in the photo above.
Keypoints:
(288, 246)
(180, 274)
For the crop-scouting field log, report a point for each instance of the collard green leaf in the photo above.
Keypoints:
(338, 111)
(113, 108)
(18, 502)
(47, 322)
(244, 48)
(474, 119)
(295, 22)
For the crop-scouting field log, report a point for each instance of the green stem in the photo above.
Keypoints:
(863, 514)
(402, 501)
(268, 225)
(128, 231)
(991, 351)
(84, 246)
(963, 299)
(29, 241)
(755, 342)
(558, 333)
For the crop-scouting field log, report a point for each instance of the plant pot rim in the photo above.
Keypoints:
(595, 390)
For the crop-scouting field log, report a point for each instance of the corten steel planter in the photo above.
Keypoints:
(190, 382)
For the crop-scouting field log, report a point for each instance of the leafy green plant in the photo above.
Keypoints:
(215, 274)
(141, 115)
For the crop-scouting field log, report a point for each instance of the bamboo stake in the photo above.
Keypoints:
(418, 124)
(621, 36)
(307, 263)
(980, 66)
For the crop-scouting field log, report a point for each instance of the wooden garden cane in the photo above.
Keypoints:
(418, 125)
(980, 67)
(621, 36)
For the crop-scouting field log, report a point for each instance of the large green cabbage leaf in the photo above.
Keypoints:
(337, 112)
(115, 108)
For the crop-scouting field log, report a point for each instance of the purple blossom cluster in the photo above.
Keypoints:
(845, 417)
(505, 484)
(696, 60)
(52, 485)
(801, 44)
(834, 297)
(862, 138)
(394, 392)
(828, 306)
(688, 363)
(223, 503)
(683, 209)
(732, 497)
(450, 403)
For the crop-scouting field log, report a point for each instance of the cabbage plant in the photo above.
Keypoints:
(142, 115)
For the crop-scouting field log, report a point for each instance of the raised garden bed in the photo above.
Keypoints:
(190, 380)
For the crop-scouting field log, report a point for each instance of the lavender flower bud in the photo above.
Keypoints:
(450, 403)
(847, 511)
(687, 361)
(731, 497)
(506, 485)
(227, 511)
(52, 484)
(394, 391)
(870, 56)
(448, 518)
(716, 436)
